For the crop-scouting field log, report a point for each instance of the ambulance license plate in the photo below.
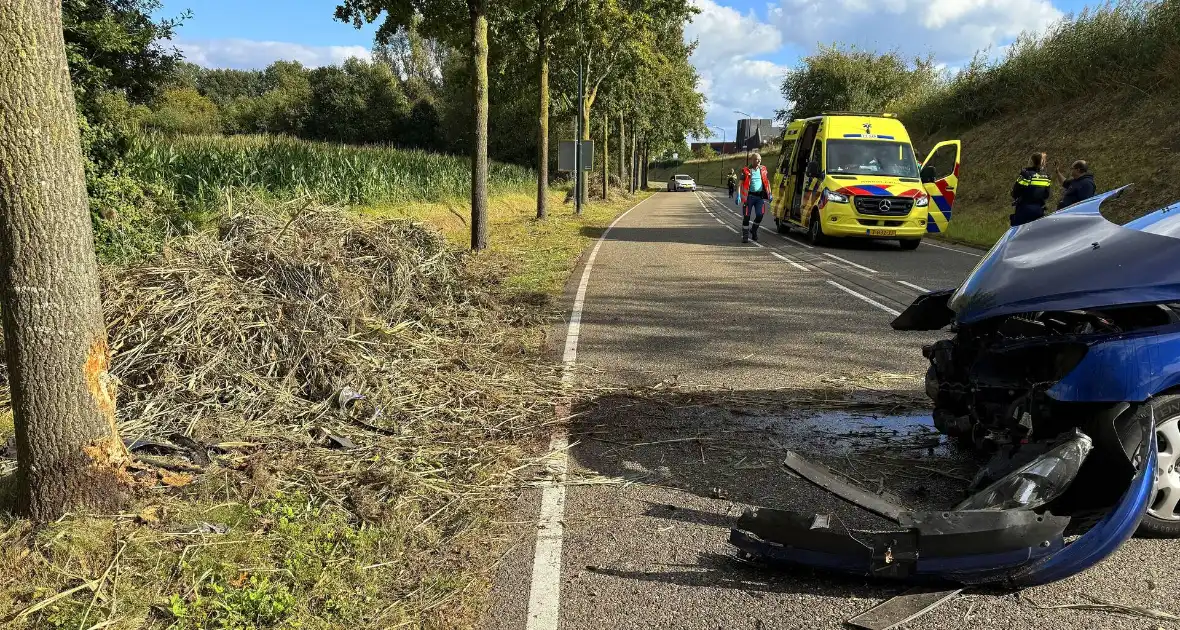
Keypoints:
(882, 232)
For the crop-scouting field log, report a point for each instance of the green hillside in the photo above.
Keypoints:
(709, 172)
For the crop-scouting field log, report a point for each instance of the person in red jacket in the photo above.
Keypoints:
(755, 191)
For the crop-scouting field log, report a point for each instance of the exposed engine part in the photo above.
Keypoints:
(955, 426)
(989, 382)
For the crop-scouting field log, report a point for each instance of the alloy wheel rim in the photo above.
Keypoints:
(1165, 502)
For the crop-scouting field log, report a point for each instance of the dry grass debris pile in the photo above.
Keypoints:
(376, 332)
(360, 375)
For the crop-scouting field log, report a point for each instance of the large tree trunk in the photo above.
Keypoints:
(622, 150)
(605, 155)
(69, 454)
(479, 151)
(587, 101)
(543, 122)
(646, 157)
(634, 174)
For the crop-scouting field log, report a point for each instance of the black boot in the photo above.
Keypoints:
(745, 234)
(754, 232)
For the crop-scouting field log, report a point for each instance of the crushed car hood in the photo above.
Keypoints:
(1075, 259)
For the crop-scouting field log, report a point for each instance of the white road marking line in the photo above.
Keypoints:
(545, 589)
(914, 286)
(788, 261)
(950, 249)
(864, 298)
(849, 262)
(790, 241)
(730, 228)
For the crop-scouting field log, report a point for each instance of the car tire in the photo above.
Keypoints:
(815, 229)
(910, 244)
(1162, 519)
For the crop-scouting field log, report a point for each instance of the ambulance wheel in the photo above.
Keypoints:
(910, 244)
(815, 229)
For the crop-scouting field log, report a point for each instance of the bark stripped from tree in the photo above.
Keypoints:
(479, 150)
(69, 453)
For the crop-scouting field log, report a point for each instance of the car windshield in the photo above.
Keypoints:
(683, 177)
(871, 157)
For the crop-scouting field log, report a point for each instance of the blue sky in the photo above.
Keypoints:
(744, 45)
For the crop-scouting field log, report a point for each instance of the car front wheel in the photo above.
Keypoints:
(1162, 519)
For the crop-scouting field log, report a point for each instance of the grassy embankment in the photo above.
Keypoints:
(247, 334)
(1100, 86)
(712, 171)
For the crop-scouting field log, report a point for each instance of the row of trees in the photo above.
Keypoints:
(631, 54)
(428, 81)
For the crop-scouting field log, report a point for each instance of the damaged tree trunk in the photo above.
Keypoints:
(69, 453)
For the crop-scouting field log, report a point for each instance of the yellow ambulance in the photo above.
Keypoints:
(852, 174)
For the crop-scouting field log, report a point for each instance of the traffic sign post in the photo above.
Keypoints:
(566, 152)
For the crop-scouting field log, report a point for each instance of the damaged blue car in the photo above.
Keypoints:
(1065, 365)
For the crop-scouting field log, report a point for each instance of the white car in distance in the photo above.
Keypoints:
(681, 182)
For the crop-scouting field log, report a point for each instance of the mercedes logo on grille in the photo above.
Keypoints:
(884, 206)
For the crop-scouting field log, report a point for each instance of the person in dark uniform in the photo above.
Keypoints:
(1030, 192)
(732, 180)
(1078, 187)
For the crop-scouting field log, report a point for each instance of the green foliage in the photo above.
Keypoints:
(836, 78)
(357, 102)
(198, 169)
(184, 110)
(706, 152)
(1130, 44)
(260, 603)
(114, 45)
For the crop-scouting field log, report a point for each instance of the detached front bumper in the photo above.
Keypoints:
(1013, 548)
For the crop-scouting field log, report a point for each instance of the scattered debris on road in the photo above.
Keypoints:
(903, 608)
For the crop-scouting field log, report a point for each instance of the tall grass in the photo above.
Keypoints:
(1128, 47)
(198, 169)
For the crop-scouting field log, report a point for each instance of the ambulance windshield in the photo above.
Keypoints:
(871, 157)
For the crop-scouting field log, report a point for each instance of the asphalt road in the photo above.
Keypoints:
(756, 330)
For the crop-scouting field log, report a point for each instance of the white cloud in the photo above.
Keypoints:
(251, 54)
(731, 79)
(952, 30)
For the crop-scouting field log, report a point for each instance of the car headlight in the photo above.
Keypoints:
(835, 196)
(922, 201)
(1037, 482)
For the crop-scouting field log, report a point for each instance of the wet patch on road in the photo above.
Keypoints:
(730, 445)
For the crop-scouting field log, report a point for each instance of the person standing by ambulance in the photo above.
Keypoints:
(1030, 193)
(755, 191)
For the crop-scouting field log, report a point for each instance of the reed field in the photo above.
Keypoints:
(198, 170)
